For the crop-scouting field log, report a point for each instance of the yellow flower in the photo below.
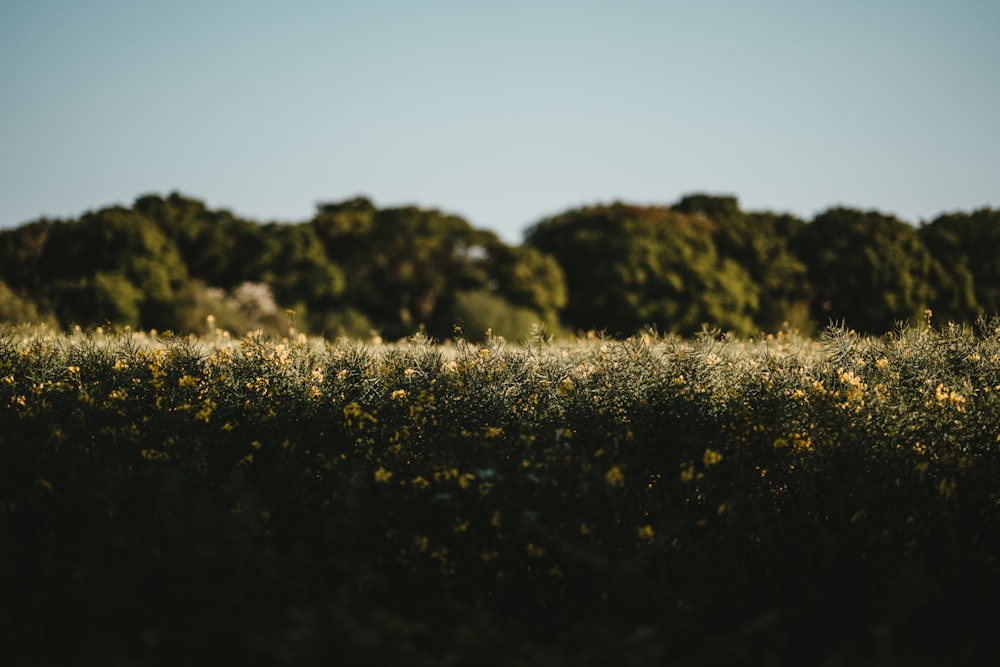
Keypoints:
(945, 394)
(382, 476)
(801, 441)
(645, 533)
(615, 477)
(205, 413)
(711, 457)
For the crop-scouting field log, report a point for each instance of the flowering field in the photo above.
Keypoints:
(168, 500)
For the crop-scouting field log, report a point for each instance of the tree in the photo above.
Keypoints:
(114, 246)
(760, 242)
(476, 312)
(528, 279)
(21, 251)
(867, 269)
(99, 298)
(336, 222)
(293, 261)
(966, 250)
(18, 308)
(409, 265)
(628, 266)
(216, 246)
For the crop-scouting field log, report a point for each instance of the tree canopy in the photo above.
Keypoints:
(629, 266)
(354, 268)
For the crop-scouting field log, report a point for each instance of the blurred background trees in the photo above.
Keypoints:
(354, 269)
(965, 271)
(628, 266)
(866, 269)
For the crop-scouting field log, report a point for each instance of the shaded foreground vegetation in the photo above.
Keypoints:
(646, 501)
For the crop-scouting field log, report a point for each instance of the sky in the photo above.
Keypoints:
(503, 113)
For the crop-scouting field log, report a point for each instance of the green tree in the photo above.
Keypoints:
(99, 298)
(216, 246)
(527, 279)
(412, 267)
(966, 250)
(476, 312)
(337, 223)
(629, 266)
(21, 252)
(294, 263)
(18, 308)
(404, 264)
(760, 242)
(867, 269)
(113, 246)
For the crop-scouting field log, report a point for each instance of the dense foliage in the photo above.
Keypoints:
(169, 262)
(704, 261)
(705, 501)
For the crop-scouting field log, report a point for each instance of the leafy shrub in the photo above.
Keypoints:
(15, 308)
(480, 311)
(698, 501)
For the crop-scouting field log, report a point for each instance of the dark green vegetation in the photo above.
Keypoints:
(646, 501)
(168, 263)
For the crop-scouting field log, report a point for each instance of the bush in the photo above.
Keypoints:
(480, 311)
(703, 501)
(18, 309)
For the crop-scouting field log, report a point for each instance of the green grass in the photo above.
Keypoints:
(651, 501)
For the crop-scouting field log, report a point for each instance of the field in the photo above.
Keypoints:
(169, 500)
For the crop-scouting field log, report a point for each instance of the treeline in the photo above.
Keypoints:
(353, 268)
(170, 262)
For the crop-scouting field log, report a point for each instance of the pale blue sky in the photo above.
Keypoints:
(500, 112)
